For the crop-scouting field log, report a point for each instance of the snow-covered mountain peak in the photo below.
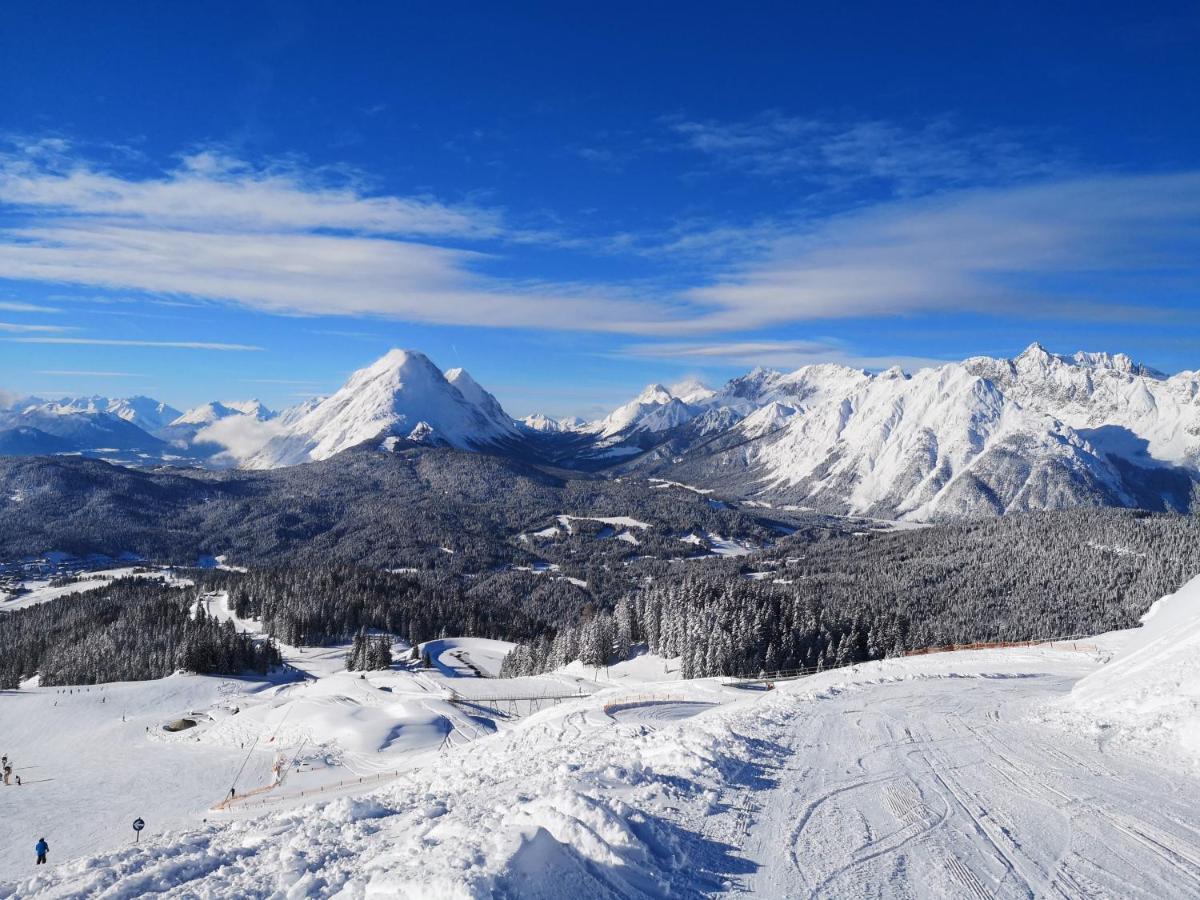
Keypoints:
(253, 408)
(216, 410)
(692, 390)
(476, 395)
(656, 394)
(400, 394)
(397, 368)
(144, 412)
(631, 414)
(542, 423)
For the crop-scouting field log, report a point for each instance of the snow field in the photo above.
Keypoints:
(922, 776)
(1147, 699)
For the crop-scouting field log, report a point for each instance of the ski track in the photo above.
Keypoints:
(971, 801)
(921, 787)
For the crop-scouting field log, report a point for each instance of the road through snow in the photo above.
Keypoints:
(944, 788)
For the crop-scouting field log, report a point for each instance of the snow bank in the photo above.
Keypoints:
(1148, 697)
(466, 657)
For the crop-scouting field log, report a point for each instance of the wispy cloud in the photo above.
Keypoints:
(105, 342)
(278, 240)
(19, 328)
(773, 354)
(1112, 245)
(73, 372)
(284, 241)
(840, 154)
(281, 381)
(14, 306)
(212, 191)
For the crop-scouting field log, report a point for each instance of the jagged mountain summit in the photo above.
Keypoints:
(215, 410)
(144, 412)
(401, 395)
(981, 437)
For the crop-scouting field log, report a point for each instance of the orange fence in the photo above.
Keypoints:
(1052, 643)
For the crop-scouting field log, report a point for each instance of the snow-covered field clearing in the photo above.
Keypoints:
(992, 773)
(43, 591)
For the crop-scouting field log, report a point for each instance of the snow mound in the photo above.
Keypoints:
(1148, 696)
(466, 657)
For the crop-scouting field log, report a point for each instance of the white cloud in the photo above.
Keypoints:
(213, 192)
(240, 436)
(220, 229)
(282, 241)
(13, 306)
(1070, 248)
(70, 372)
(20, 328)
(104, 342)
(787, 354)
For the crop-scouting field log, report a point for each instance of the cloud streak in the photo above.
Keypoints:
(837, 155)
(73, 372)
(21, 328)
(114, 342)
(1113, 244)
(13, 306)
(285, 242)
(786, 354)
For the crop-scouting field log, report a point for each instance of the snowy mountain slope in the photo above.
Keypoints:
(293, 414)
(542, 423)
(983, 437)
(215, 410)
(82, 431)
(654, 409)
(1123, 407)
(479, 398)
(402, 394)
(24, 440)
(144, 412)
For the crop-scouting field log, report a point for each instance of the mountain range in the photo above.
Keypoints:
(984, 436)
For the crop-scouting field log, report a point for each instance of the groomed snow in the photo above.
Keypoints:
(924, 776)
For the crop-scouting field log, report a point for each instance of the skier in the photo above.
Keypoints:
(42, 849)
(18, 781)
(8, 774)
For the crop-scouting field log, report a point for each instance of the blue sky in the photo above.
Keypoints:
(572, 200)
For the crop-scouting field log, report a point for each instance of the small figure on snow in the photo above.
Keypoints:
(42, 848)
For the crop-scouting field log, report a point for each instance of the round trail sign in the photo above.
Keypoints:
(138, 824)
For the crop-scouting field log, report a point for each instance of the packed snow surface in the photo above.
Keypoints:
(918, 777)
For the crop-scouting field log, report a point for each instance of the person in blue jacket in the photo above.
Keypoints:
(42, 849)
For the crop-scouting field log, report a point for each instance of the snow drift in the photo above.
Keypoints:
(1148, 696)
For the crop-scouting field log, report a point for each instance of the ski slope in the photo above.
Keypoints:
(918, 777)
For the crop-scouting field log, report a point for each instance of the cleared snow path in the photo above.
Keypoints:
(941, 788)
